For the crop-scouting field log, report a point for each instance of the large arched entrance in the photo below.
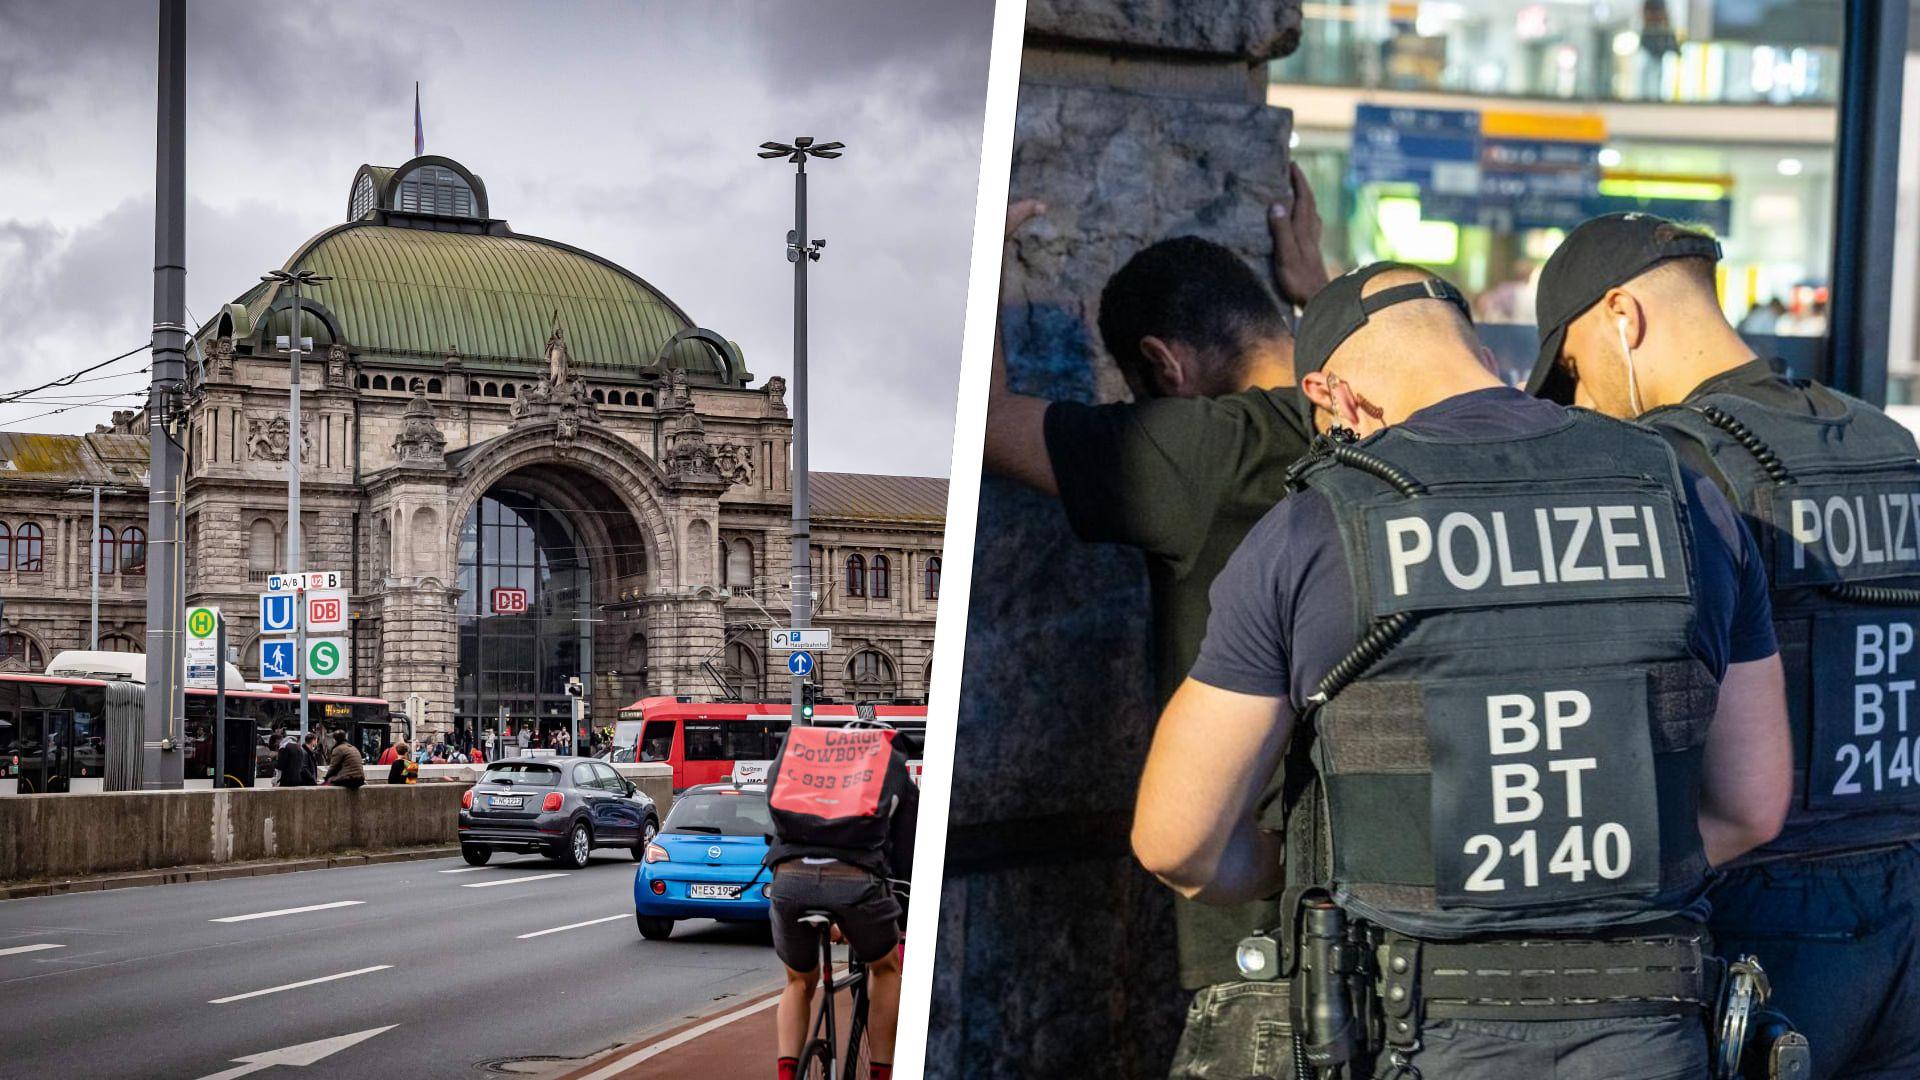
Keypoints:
(555, 540)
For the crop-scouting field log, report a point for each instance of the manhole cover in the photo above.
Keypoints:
(525, 1064)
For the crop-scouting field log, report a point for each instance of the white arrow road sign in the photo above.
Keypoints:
(785, 640)
(298, 1056)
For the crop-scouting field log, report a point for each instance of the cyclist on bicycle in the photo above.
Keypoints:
(844, 809)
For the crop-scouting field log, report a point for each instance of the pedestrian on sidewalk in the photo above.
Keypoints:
(345, 767)
(310, 772)
(404, 770)
(290, 761)
(393, 750)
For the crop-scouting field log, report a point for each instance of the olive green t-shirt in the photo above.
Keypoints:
(1183, 480)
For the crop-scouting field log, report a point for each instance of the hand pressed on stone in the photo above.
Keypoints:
(1299, 270)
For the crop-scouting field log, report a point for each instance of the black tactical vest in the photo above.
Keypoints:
(1524, 753)
(1833, 501)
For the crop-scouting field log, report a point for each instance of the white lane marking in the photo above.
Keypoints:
(299, 1056)
(509, 881)
(287, 911)
(620, 1065)
(28, 948)
(569, 926)
(298, 985)
(459, 869)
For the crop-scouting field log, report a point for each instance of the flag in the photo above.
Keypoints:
(419, 130)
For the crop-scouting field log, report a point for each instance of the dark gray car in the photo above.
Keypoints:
(563, 807)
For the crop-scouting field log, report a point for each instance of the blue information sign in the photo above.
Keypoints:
(800, 663)
(277, 660)
(276, 612)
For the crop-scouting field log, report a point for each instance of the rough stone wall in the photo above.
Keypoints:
(1138, 120)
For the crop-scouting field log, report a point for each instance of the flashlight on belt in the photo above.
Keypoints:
(1325, 1002)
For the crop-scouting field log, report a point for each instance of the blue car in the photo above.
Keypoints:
(713, 842)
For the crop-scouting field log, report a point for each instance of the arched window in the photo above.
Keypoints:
(431, 189)
(365, 382)
(362, 198)
(633, 398)
(119, 643)
(6, 547)
(742, 670)
(27, 548)
(870, 676)
(133, 550)
(856, 576)
(103, 551)
(646, 399)
(634, 665)
(20, 651)
(933, 578)
(433, 386)
(379, 382)
(600, 396)
(882, 577)
(506, 390)
(740, 564)
(263, 550)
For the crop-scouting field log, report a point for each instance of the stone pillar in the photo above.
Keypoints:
(1138, 120)
(419, 647)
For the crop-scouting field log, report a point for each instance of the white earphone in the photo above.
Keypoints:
(1626, 353)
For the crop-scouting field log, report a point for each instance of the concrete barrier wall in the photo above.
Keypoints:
(64, 836)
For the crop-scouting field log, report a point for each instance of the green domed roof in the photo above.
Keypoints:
(406, 285)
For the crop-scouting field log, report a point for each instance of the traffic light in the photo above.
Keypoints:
(809, 693)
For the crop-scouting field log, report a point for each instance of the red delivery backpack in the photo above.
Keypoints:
(825, 787)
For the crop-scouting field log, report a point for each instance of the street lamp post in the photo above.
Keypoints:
(800, 252)
(295, 279)
(163, 717)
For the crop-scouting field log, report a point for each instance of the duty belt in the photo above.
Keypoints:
(1543, 978)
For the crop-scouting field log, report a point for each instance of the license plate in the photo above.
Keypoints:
(506, 802)
(712, 892)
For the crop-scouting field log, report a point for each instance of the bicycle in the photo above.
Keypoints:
(820, 1055)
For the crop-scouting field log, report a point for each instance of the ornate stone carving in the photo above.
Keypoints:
(734, 461)
(337, 366)
(777, 396)
(267, 439)
(420, 440)
(690, 460)
(220, 358)
(560, 396)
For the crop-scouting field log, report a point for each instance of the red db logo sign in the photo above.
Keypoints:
(324, 610)
(509, 601)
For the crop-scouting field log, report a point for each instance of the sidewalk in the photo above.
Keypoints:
(174, 875)
(735, 1043)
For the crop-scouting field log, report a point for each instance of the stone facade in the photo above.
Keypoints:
(1138, 120)
(664, 475)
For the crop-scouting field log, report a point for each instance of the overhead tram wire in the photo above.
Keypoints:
(107, 402)
(70, 379)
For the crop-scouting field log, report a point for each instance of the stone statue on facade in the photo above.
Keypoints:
(690, 458)
(560, 395)
(420, 440)
(777, 396)
(267, 439)
(337, 366)
(220, 358)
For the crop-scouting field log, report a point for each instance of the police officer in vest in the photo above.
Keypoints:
(1830, 487)
(1525, 665)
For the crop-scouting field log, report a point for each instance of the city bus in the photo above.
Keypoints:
(60, 733)
(703, 739)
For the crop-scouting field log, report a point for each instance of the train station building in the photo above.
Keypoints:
(483, 410)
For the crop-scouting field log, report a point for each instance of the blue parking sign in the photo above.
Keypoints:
(799, 663)
(277, 660)
(277, 612)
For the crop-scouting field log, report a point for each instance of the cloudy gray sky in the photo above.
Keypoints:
(625, 128)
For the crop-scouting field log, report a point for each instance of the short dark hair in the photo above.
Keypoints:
(339, 734)
(1189, 290)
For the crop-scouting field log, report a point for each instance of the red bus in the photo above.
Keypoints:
(58, 733)
(703, 739)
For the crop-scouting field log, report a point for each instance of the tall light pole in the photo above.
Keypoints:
(163, 717)
(800, 252)
(295, 279)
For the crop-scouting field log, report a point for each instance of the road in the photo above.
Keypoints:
(477, 972)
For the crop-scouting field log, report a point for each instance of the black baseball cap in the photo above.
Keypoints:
(1338, 310)
(1603, 253)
